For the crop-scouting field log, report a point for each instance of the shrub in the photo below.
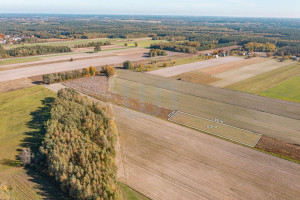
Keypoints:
(127, 65)
(108, 70)
(165, 65)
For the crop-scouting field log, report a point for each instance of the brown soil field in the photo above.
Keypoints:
(279, 147)
(167, 161)
(164, 160)
(229, 66)
(179, 69)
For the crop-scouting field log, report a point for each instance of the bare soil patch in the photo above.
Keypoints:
(279, 147)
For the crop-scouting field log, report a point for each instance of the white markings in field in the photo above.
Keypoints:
(214, 125)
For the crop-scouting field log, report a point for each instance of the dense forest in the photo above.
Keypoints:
(79, 147)
(210, 32)
(32, 51)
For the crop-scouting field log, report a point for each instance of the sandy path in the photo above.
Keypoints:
(104, 58)
(172, 71)
(166, 161)
(239, 74)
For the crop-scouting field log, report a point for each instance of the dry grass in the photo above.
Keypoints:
(196, 77)
(218, 129)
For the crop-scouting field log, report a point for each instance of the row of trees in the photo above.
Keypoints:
(58, 77)
(91, 71)
(32, 51)
(172, 46)
(93, 44)
(79, 147)
(157, 52)
(261, 47)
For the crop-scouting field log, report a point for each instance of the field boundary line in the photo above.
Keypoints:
(173, 113)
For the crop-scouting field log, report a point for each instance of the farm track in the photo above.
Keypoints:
(164, 160)
(111, 57)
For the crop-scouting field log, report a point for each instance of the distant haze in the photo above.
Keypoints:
(241, 8)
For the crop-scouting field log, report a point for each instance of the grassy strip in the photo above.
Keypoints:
(18, 60)
(288, 90)
(262, 82)
(130, 194)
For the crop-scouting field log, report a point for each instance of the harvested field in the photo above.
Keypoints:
(243, 73)
(245, 111)
(288, 90)
(262, 82)
(7, 86)
(233, 65)
(179, 69)
(167, 161)
(216, 128)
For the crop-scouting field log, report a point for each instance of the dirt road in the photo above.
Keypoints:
(164, 160)
(172, 71)
(111, 57)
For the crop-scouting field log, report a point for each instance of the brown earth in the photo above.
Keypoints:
(279, 147)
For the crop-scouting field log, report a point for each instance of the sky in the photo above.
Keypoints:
(235, 8)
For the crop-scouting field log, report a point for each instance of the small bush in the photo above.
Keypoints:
(108, 70)
(127, 65)
(165, 65)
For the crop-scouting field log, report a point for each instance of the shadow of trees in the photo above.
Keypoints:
(45, 185)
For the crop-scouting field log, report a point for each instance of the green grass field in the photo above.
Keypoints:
(18, 128)
(262, 82)
(130, 194)
(18, 60)
(288, 90)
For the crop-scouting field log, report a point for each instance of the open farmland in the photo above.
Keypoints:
(172, 71)
(262, 82)
(242, 73)
(288, 90)
(148, 161)
(164, 160)
(270, 117)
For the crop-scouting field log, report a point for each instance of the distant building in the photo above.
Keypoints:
(295, 58)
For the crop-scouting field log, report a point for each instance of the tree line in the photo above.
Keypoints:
(32, 51)
(173, 46)
(79, 147)
(93, 44)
